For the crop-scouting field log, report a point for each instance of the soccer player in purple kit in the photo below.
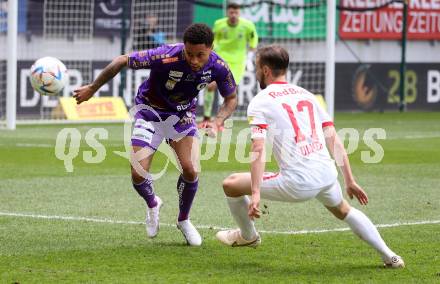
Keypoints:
(178, 73)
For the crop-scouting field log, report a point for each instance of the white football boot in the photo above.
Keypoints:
(233, 238)
(190, 233)
(152, 219)
(394, 262)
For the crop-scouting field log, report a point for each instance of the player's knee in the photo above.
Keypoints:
(136, 176)
(228, 185)
(341, 210)
(189, 172)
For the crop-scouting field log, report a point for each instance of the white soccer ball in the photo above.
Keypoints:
(48, 76)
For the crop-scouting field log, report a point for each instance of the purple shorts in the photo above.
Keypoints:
(152, 126)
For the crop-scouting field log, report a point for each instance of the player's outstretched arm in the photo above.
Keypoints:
(337, 150)
(257, 169)
(84, 93)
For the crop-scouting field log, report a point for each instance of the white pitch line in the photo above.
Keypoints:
(301, 232)
(27, 145)
(30, 145)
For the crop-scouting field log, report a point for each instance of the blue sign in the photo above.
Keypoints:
(22, 16)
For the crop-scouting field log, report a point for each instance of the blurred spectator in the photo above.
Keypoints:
(149, 36)
(235, 39)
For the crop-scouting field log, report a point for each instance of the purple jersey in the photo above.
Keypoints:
(172, 84)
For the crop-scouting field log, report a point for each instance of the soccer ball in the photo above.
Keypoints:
(48, 76)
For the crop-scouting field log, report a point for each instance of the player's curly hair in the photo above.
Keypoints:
(198, 34)
(275, 57)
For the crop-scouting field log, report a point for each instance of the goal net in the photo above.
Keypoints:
(153, 23)
(87, 34)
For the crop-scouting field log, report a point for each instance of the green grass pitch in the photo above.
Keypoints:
(45, 236)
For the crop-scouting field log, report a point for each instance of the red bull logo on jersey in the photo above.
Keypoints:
(285, 92)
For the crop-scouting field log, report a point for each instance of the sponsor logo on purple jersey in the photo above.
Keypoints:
(172, 84)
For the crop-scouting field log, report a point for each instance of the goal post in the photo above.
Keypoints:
(330, 64)
(85, 35)
(11, 74)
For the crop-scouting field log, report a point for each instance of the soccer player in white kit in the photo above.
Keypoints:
(302, 135)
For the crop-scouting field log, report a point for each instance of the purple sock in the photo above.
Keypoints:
(145, 190)
(186, 191)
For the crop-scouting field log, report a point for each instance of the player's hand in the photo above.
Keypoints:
(254, 207)
(353, 189)
(83, 93)
(211, 129)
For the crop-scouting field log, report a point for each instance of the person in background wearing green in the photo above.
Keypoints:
(233, 36)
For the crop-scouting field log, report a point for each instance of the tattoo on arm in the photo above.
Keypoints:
(227, 108)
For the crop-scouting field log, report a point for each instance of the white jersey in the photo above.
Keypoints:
(292, 120)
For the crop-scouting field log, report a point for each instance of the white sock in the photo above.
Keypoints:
(239, 209)
(365, 229)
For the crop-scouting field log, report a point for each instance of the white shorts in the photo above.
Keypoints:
(276, 187)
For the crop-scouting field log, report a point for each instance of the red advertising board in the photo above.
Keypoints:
(423, 22)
